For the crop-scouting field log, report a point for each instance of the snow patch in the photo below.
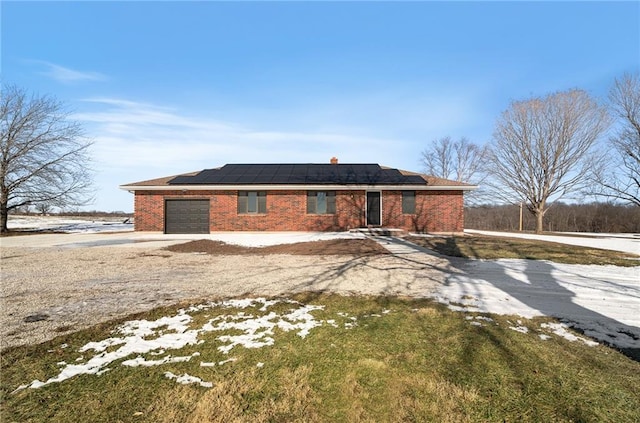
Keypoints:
(474, 319)
(141, 361)
(186, 379)
(139, 337)
(483, 318)
(561, 329)
(257, 332)
(229, 360)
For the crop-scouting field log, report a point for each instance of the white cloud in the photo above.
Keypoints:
(68, 75)
(138, 135)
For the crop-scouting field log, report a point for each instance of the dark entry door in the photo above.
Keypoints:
(373, 208)
(186, 217)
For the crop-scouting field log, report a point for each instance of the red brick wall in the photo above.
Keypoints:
(286, 211)
(436, 211)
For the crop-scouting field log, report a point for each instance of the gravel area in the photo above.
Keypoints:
(50, 291)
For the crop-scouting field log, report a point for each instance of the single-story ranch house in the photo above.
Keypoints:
(298, 197)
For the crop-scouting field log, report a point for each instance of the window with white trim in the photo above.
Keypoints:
(252, 202)
(321, 202)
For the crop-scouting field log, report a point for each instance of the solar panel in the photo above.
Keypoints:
(299, 174)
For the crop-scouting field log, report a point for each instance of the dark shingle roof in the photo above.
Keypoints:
(299, 174)
(159, 181)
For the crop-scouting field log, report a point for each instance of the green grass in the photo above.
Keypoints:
(484, 247)
(419, 362)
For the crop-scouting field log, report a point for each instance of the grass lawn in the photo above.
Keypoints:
(375, 359)
(486, 247)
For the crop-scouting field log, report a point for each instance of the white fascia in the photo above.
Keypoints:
(132, 188)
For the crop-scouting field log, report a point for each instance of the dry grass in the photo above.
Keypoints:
(419, 362)
(484, 247)
(239, 398)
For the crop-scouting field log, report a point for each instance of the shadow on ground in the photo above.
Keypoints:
(542, 286)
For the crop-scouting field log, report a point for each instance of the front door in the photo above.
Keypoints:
(373, 208)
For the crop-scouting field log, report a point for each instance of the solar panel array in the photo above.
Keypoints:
(299, 174)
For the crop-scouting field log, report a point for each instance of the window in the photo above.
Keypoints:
(408, 202)
(321, 202)
(252, 202)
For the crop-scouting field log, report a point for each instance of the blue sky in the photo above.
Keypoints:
(169, 87)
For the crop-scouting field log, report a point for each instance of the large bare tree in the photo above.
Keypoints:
(618, 177)
(44, 155)
(541, 148)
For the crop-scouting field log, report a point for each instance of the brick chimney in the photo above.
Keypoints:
(334, 160)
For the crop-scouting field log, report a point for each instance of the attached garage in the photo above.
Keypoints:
(186, 216)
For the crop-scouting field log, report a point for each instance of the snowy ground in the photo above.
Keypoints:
(601, 301)
(70, 224)
(627, 243)
(168, 333)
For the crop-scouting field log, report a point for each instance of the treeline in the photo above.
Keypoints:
(561, 217)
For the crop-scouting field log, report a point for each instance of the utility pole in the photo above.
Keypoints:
(520, 225)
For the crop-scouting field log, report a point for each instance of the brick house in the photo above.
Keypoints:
(298, 197)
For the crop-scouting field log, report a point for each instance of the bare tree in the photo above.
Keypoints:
(457, 160)
(618, 177)
(437, 159)
(43, 208)
(461, 160)
(43, 155)
(541, 148)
